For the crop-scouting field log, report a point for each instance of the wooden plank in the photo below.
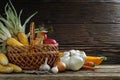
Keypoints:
(107, 69)
(70, 12)
(87, 34)
(76, 12)
(68, 1)
(103, 72)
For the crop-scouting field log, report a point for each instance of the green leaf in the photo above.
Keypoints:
(27, 20)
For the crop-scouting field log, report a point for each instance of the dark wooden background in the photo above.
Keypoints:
(89, 25)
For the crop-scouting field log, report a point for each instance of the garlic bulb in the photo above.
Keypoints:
(54, 69)
(45, 66)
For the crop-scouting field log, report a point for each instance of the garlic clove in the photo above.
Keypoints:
(45, 66)
(54, 69)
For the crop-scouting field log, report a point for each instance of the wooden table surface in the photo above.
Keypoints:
(102, 72)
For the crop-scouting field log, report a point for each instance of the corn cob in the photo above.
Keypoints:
(15, 67)
(3, 59)
(13, 42)
(15, 37)
(5, 69)
(23, 38)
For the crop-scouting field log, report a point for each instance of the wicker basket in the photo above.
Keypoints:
(20, 56)
(31, 57)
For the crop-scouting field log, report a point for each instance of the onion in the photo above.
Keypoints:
(61, 66)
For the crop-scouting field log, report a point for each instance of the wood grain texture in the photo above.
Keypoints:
(102, 72)
(87, 34)
(67, 1)
(76, 12)
(70, 12)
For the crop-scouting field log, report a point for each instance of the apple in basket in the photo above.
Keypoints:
(50, 41)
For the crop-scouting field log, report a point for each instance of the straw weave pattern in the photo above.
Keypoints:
(20, 55)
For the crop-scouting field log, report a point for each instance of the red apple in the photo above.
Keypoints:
(50, 41)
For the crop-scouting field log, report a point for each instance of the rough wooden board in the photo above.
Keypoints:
(87, 34)
(103, 72)
(50, 11)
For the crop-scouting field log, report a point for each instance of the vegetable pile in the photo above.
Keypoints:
(76, 60)
(12, 33)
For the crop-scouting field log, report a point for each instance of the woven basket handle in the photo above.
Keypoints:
(32, 26)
